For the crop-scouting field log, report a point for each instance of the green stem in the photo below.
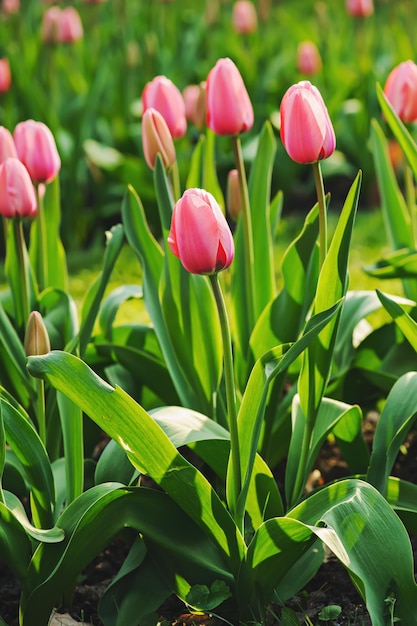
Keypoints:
(40, 410)
(247, 233)
(318, 179)
(22, 302)
(410, 194)
(230, 394)
(42, 269)
(175, 181)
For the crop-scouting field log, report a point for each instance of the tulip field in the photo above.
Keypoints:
(208, 312)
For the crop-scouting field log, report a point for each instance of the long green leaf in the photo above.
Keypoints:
(403, 320)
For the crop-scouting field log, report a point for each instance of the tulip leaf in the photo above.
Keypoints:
(15, 545)
(202, 172)
(403, 320)
(112, 304)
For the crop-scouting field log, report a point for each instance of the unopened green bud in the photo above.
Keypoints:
(36, 336)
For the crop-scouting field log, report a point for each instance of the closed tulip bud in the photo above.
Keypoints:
(36, 148)
(234, 197)
(156, 139)
(308, 58)
(5, 75)
(190, 96)
(360, 8)
(244, 17)
(70, 28)
(7, 147)
(306, 130)
(229, 109)
(161, 94)
(50, 25)
(17, 195)
(200, 235)
(195, 104)
(401, 90)
(10, 6)
(36, 336)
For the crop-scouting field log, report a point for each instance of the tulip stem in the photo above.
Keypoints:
(175, 181)
(410, 193)
(42, 269)
(247, 232)
(40, 410)
(318, 179)
(230, 394)
(22, 303)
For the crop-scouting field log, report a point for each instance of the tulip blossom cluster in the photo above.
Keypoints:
(61, 25)
(401, 90)
(27, 157)
(306, 130)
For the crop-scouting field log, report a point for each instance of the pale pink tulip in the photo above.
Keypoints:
(70, 28)
(10, 6)
(229, 109)
(17, 195)
(156, 139)
(7, 146)
(50, 25)
(308, 58)
(401, 90)
(161, 94)
(36, 148)
(200, 235)
(306, 130)
(244, 17)
(360, 8)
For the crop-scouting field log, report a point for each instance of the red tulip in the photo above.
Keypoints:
(5, 75)
(156, 139)
(7, 147)
(360, 8)
(36, 148)
(200, 236)
(229, 109)
(17, 195)
(401, 90)
(161, 94)
(306, 130)
(244, 17)
(70, 28)
(308, 58)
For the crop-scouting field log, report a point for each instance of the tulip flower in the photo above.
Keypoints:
(36, 340)
(36, 148)
(7, 146)
(70, 28)
(17, 195)
(200, 235)
(401, 90)
(156, 139)
(10, 6)
(161, 94)
(50, 25)
(190, 96)
(306, 130)
(308, 58)
(244, 17)
(195, 104)
(360, 8)
(234, 200)
(229, 109)
(5, 75)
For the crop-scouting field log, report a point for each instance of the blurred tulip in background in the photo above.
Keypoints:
(70, 28)
(7, 145)
(360, 8)
(308, 58)
(244, 17)
(10, 6)
(5, 75)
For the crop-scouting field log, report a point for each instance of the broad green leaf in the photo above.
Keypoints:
(396, 419)
(46, 535)
(402, 496)
(113, 465)
(358, 521)
(399, 264)
(403, 320)
(146, 445)
(15, 545)
(60, 316)
(111, 304)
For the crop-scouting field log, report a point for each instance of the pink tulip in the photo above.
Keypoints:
(234, 200)
(244, 17)
(161, 94)
(36, 148)
(17, 195)
(229, 109)
(306, 130)
(7, 147)
(190, 95)
(360, 8)
(200, 236)
(70, 28)
(195, 104)
(10, 6)
(5, 75)
(308, 58)
(156, 139)
(50, 25)
(401, 90)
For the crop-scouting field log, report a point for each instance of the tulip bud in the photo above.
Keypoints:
(50, 25)
(17, 195)
(244, 17)
(306, 130)
(7, 147)
(10, 6)
(308, 58)
(36, 148)
(70, 28)
(229, 109)
(161, 94)
(36, 336)
(401, 90)
(5, 75)
(190, 96)
(360, 8)
(234, 196)
(200, 235)
(156, 139)
(195, 104)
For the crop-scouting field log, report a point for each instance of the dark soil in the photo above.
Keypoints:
(330, 586)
